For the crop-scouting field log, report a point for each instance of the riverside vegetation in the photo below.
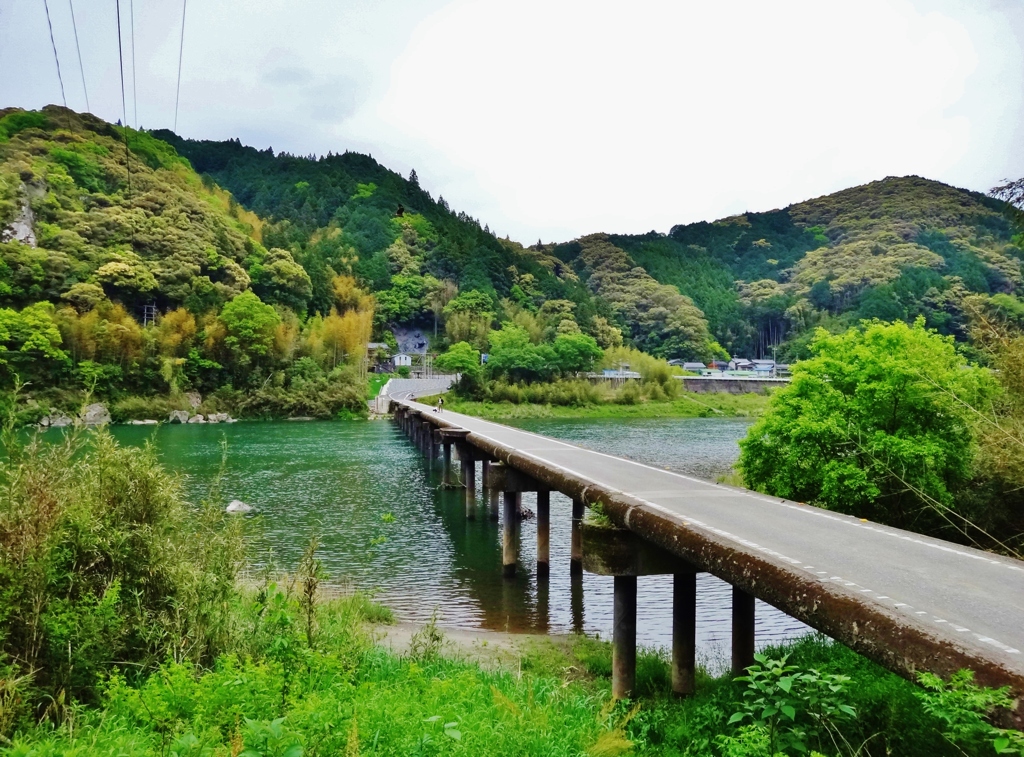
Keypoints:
(140, 266)
(126, 630)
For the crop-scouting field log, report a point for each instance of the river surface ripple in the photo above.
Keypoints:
(340, 480)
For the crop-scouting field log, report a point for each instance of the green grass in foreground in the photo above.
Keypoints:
(687, 405)
(279, 695)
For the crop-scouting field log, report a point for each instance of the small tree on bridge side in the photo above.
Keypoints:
(877, 424)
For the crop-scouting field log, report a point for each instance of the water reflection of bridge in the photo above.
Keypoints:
(515, 603)
(909, 602)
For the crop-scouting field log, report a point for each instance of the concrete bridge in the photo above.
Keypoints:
(909, 602)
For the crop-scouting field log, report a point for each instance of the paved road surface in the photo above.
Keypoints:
(909, 601)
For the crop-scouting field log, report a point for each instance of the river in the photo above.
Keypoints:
(386, 526)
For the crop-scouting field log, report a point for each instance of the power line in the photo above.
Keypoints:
(181, 49)
(53, 44)
(135, 97)
(124, 108)
(78, 47)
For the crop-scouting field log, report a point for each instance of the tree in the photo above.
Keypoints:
(461, 358)
(513, 355)
(250, 325)
(575, 353)
(277, 278)
(875, 424)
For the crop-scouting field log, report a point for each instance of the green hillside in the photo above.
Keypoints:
(891, 249)
(341, 211)
(122, 272)
(137, 263)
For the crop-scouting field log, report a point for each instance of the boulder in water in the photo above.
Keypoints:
(197, 419)
(57, 420)
(178, 416)
(96, 414)
(238, 506)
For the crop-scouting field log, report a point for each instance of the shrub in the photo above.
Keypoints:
(877, 424)
(100, 566)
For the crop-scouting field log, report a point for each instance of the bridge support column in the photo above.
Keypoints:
(742, 630)
(576, 548)
(446, 476)
(508, 533)
(624, 637)
(431, 446)
(469, 478)
(576, 601)
(684, 633)
(543, 531)
(425, 438)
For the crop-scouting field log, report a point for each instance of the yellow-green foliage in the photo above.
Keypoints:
(136, 223)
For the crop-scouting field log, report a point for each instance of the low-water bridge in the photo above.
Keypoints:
(909, 602)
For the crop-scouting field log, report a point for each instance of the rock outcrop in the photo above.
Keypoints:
(178, 416)
(57, 420)
(96, 414)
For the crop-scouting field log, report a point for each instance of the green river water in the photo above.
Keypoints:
(340, 480)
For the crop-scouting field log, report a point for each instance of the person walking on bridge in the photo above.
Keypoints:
(440, 405)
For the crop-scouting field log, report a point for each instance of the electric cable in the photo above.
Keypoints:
(53, 44)
(124, 113)
(78, 47)
(135, 96)
(181, 49)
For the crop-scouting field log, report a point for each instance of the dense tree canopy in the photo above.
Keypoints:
(877, 423)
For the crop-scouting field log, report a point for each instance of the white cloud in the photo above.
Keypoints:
(555, 118)
(578, 116)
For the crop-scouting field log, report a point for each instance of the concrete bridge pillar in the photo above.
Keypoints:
(508, 533)
(469, 479)
(742, 630)
(446, 475)
(432, 439)
(576, 547)
(426, 438)
(624, 637)
(494, 505)
(543, 531)
(576, 601)
(618, 552)
(684, 633)
(450, 436)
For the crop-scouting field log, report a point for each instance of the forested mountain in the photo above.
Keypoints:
(892, 249)
(134, 261)
(347, 212)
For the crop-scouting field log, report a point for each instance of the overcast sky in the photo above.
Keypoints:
(555, 118)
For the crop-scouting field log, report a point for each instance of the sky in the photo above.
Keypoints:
(550, 119)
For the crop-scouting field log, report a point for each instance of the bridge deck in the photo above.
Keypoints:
(908, 601)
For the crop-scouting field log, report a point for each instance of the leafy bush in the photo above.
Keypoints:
(100, 566)
(791, 708)
(324, 396)
(877, 424)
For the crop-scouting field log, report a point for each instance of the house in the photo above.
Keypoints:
(741, 364)
(694, 367)
(764, 368)
(373, 347)
(402, 359)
